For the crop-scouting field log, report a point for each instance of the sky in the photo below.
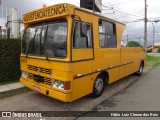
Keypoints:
(127, 11)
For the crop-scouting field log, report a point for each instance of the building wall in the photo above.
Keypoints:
(2, 31)
(14, 24)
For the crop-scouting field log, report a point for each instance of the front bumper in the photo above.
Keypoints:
(65, 97)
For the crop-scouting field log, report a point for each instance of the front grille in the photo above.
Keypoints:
(47, 81)
(41, 70)
(30, 76)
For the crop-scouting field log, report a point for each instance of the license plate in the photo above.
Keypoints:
(36, 89)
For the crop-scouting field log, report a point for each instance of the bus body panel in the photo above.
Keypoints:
(65, 97)
(107, 59)
(59, 70)
(134, 56)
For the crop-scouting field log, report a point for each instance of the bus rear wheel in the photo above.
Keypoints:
(140, 71)
(98, 87)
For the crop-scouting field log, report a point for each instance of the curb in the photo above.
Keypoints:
(12, 90)
(10, 87)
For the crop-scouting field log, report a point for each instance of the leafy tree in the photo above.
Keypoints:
(158, 50)
(133, 44)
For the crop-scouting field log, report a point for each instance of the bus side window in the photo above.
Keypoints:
(78, 40)
(107, 34)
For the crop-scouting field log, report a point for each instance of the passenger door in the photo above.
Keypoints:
(82, 57)
(82, 48)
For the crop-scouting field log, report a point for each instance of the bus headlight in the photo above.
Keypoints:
(24, 74)
(60, 84)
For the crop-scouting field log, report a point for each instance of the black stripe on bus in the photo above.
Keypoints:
(102, 70)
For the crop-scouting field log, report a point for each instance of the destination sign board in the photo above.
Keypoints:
(45, 13)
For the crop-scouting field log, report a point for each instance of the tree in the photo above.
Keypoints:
(133, 44)
(158, 50)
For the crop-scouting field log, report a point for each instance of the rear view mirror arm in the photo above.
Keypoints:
(76, 16)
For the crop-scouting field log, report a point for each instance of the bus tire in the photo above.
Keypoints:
(140, 71)
(98, 87)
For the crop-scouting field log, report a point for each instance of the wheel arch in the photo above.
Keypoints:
(105, 74)
(142, 61)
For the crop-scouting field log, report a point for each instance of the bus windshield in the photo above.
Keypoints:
(46, 39)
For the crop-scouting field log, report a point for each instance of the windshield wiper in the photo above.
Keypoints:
(45, 39)
(32, 40)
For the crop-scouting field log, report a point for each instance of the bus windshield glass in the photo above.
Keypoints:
(46, 39)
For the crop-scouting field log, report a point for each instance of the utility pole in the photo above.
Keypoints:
(145, 27)
(153, 36)
(127, 39)
(94, 6)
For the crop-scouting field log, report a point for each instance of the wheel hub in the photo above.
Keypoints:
(99, 85)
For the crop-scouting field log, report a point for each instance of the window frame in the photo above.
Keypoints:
(91, 35)
(46, 23)
(56, 21)
(105, 34)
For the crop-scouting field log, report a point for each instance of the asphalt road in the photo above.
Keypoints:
(154, 54)
(33, 101)
(143, 95)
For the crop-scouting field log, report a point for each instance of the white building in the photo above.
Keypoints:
(14, 24)
(157, 44)
(10, 21)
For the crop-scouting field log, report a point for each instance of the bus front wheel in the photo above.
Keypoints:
(98, 87)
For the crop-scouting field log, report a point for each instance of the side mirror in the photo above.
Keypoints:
(83, 28)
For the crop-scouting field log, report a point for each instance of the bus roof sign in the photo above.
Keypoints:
(45, 13)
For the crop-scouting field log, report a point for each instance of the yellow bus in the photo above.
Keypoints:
(69, 52)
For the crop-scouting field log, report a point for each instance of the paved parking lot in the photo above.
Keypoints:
(36, 101)
(154, 54)
(143, 95)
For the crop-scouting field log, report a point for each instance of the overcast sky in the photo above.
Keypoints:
(126, 11)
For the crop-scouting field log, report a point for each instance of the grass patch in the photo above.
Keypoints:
(14, 92)
(153, 61)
